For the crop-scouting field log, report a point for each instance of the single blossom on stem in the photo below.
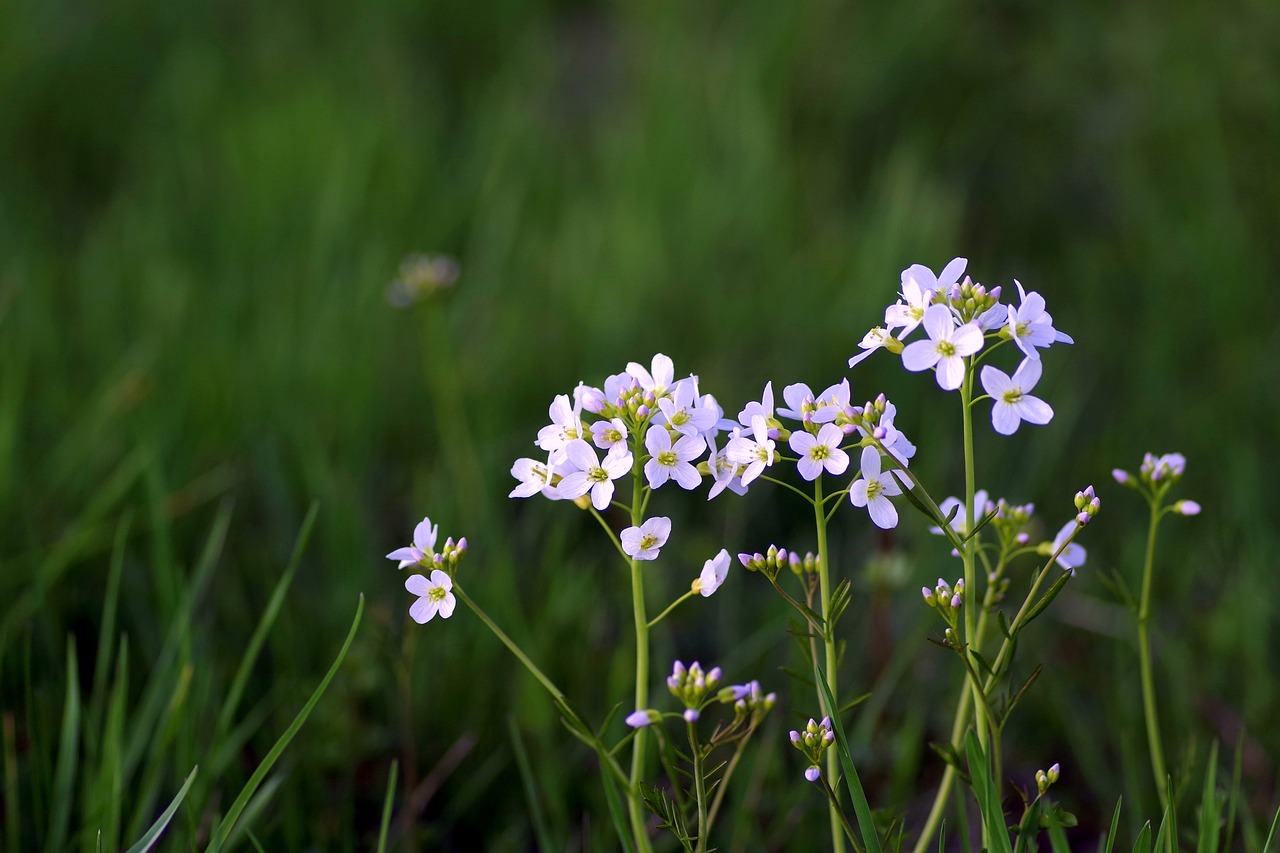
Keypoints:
(820, 452)
(871, 341)
(714, 572)
(644, 542)
(874, 489)
(423, 547)
(946, 348)
(1072, 557)
(434, 596)
(609, 434)
(566, 424)
(762, 409)
(1031, 326)
(1013, 402)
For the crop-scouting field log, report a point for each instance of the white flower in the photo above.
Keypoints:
(714, 571)
(763, 409)
(822, 451)
(686, 412)
(725, 474)
(1013, 404)
(566, 424)
(586, 473)
(947, 347)
(434, 596)
(669, 461)
(873, 491)
(1031, 326)
(423, 547)
(871, 341)
(534, 477)
(804, 406)
(609, 434)
(643, 542)
(1072, 557)
(660, 380)
(756, 454)
(919, 284)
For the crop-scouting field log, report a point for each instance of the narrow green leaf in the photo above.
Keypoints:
(228, 823)
(1115, 827)
(995, 830)
(152, 835)
(1029, 827)
(386, 806)
(267, 619)
(861, 809)
(1045, 600)
(1269, 844)
(1210, 807)
(68, 754)
(1143, 844)
(1058, 839)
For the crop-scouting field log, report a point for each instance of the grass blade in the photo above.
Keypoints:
(994, 828)
(1269, 844)
(861, 809)
(1210, 808)
(264, 624)
(386, 806)
(148, 840)
(1115, 827)
(68, 748)
(228, 823)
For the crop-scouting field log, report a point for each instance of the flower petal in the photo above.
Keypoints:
(883, 512)
(417, 584)
(950, 372)
(938, 322)
(1033, 410)
(920, 355)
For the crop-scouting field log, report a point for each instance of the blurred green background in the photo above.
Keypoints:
(202, 206)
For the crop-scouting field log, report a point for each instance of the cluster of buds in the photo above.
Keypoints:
(422, 553)
(1011, 520)
(813, 741)
(450, 554)
(947, 600)
(969, 298)
(692, 687)
(1155, 476)
(749, 701)
(1087, 506)
(1046, 778)
(623, 398)
(775, 559)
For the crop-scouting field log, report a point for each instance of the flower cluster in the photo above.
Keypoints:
(692, 687)
(1045, 779)
(947, 601)
(775, 559)
(696, 689)
(435, 592)
(1155, 476)
(813, 742)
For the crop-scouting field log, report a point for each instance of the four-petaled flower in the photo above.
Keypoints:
(819, 452)
(660, 380)
(643, 542)
(1073, 555)
(608, 434)
(919, 284)
(873, 490)
(565, 426)
(668, 460)
(871, 341)
(1031, 326)
(586, 473)
(947, 347)
(756, 454)
(534, 477)
(434, 596)
(714, 571)
(422, 549)
(1013, 404)
(686, 412)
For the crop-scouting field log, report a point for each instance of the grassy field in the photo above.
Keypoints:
(202, 207)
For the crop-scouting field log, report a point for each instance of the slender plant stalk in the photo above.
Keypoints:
(635, 806)
(1144, 660)
(829, 642)
(971, 518)
(699, 788)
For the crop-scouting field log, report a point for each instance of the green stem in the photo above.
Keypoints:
(844, 822)
(829, 642)
(682, 599)
(635, 805)
(699, 788)
(966, 552)
(1144, 660)
(609, 530)
(724, 780)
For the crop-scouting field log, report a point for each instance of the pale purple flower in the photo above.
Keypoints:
(756, 454)
(1073, 555)
(873, 490)
(893, 439)
(609, 434)
(820, 452)
(1031, 326)
(762, 409)
(423, 547)
(586, 473)
(960, 522)
(644, 542)
(946, 347)
(1182, 508)
(802, 405)
(534, 477)
(918, 286)
(434, 596)
(993, 318)
(714, 572)
(669, 460)
(566, 424)
(725, 474)
(685, 411)
(660, 380)
(871, 341)
(1013, 404)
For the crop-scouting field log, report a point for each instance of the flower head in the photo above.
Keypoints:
(919, 284)
(946, 348)
(1031, 326)
(1072, 557)
(873, 490)
(586, 473)
(423, 547)
(658, 381)
(643, 542)
(820, 452)
(756, 454)
(672, 461)
(566, 423)
(714, 572)
(434, 596)
(1013, 403)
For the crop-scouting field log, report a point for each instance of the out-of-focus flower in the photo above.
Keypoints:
(420, 277)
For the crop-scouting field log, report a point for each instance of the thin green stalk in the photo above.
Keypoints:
(699, 787)
(663, 615)
(970, 575)
(844, 821)
(832, 664)
(1144, 660)
(635, 806)
(724, 780)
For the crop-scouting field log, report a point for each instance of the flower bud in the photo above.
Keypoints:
(813, 774)
(1186, 508)
(691, 715)
(1122, 477)
(644, 717)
